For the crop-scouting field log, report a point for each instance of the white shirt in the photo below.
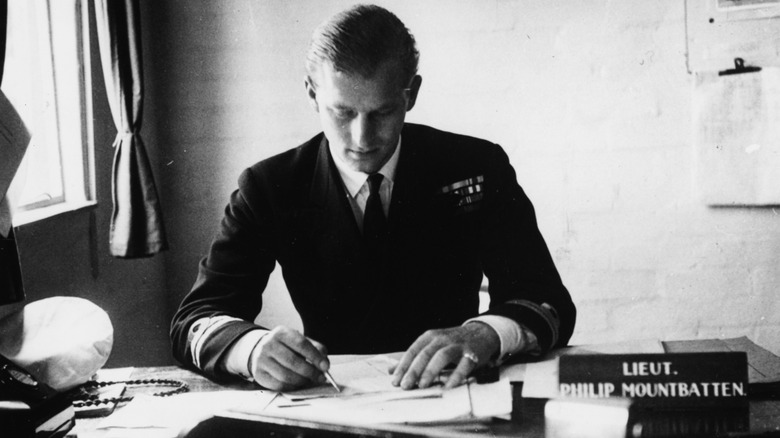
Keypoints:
(356, 184)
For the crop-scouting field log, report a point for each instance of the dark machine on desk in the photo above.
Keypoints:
(28, 407)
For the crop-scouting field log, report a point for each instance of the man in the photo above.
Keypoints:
(383, 231)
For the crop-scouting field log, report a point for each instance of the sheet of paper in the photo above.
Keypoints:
(737, 137)
(491, 399)
(14, 138)
(368, 397)
(640, 346)
(429, 405)
(148, 416)
(354, 375)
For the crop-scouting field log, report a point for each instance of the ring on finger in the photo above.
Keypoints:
(472, 357)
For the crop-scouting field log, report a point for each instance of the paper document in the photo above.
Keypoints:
(368, 397)
(162, 417)
(737, 137)
(430, 405)
(354, 375)
(14, 138)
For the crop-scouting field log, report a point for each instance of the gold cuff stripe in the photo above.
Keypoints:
(201, 330)
(546, 311)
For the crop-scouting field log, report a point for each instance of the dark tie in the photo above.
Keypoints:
(374, 221)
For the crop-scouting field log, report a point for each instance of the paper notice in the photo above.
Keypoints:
(14, 138)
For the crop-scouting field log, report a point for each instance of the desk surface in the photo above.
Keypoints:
(761, 419)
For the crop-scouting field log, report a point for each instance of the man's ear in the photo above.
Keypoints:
(414, 88)
(311, 92)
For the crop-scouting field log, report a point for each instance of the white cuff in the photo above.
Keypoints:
(238, 356)
(513, 337)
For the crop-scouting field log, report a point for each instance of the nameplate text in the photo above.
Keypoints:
(673, 380)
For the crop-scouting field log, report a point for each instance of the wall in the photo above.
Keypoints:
(591, 100)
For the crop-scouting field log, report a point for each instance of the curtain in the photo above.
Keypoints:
(136, 221)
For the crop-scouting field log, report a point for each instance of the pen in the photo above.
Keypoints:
(332, 381)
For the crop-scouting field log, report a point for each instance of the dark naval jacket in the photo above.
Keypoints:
(457, 213)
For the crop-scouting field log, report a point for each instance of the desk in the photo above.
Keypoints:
(196, 383)
(762, 419)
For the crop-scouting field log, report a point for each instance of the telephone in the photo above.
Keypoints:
(30, 408)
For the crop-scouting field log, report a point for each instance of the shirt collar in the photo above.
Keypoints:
(354, 180)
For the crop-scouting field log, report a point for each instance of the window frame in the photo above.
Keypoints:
(76, 151)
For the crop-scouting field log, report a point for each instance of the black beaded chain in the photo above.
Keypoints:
(84, 399)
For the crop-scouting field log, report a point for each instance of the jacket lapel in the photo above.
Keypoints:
(409, 189)
(337, 229)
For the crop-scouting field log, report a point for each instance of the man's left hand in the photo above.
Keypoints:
(466, 347)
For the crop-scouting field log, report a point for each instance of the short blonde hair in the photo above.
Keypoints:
(361, 38)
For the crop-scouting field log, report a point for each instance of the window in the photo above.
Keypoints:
(47, 78)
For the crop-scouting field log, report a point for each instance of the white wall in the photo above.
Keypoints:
(591, 99)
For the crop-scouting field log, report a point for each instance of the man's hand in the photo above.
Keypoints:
(466, 347)
(284, 359)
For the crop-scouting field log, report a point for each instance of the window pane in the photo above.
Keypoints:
(47, 79)
(28, 81)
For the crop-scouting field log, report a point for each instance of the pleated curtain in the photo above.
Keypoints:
(137, 228)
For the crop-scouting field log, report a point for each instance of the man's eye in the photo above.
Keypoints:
(344, 114)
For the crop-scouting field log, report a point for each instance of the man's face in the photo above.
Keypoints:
(362, 117)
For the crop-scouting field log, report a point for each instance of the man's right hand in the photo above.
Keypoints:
(284, 359)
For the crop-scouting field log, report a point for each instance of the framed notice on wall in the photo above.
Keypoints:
(734, 53)
(746, 4)
(736, 120)
(719, 31)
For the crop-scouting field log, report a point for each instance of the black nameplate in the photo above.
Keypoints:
(676, 380)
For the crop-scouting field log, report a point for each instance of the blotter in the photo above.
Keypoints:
(680, 380)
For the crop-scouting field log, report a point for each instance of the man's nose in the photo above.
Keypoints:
(363, 131)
